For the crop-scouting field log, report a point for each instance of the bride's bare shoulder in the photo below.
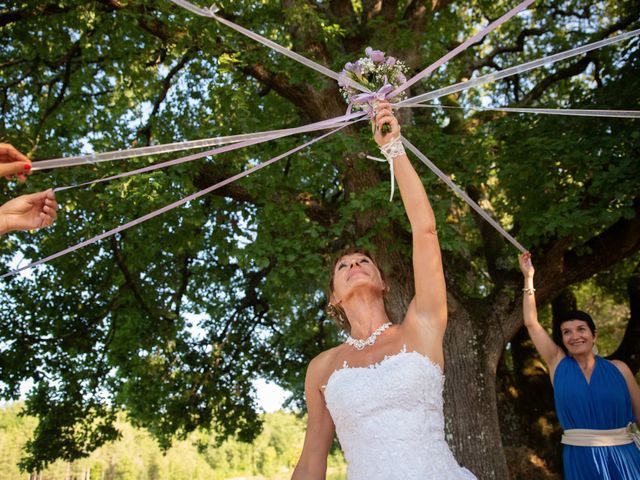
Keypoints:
(324, 364)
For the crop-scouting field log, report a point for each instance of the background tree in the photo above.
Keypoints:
(172, 320)
(201, 456)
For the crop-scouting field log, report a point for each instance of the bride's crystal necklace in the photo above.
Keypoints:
(360, 344)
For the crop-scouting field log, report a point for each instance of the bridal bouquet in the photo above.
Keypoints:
(377, 72)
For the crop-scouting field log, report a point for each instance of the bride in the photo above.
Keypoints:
(381, 390)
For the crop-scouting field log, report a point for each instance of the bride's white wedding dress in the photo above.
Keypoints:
(389, 420)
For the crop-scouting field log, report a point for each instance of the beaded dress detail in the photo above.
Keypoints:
(389, 420)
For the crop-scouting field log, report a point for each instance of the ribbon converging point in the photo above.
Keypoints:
(367, 100)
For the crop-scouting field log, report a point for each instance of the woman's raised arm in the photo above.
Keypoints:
(550, 352)
(430, 302)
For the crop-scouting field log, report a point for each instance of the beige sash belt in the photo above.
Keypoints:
(582, 437)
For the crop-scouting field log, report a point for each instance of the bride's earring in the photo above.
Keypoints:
(337, 315)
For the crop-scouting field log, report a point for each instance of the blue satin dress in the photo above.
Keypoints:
(602, 404)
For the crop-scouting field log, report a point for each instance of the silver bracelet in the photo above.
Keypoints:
(529, 290)
(393, 149)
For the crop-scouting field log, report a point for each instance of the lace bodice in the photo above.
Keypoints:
(389, 420)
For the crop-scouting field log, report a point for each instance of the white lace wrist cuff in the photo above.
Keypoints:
(393, 149)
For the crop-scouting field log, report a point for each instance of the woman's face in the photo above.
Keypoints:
(355, 271)
(577, 337)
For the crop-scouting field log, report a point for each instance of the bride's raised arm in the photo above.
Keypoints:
(429, 306)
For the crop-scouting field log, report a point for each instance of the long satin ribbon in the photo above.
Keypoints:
(211, 13)
(171, 206)
(445, 178)
(463, 46)
(169, 163)
(191, 144)
(492, 77)
(391, 173)
(544, 111)
(420, 98)
(275, 134)
(92, 158)
(217, 151)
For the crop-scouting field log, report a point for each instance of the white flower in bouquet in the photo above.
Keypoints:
(377, 72)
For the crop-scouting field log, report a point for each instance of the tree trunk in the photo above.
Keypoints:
(526, 406)
(471, 418)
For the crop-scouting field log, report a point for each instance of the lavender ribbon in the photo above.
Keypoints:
(576, 112)
(463, 46)
(138, 152)
(211, 13)
(171, 206)
(370, 98)
(324, 125)
(524, 67)
(392, 174)
(190, 144)
(445, 178)
(367, 98)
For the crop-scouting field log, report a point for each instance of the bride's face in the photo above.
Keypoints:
(356, 271)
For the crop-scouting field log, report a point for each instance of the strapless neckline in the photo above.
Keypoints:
(387, 359)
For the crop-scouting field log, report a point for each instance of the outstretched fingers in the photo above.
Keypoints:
(49, 211)
(12, 162)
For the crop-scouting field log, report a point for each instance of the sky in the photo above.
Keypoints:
(270, 395)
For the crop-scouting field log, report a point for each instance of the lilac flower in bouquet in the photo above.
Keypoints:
(376, 56)
(377, 72)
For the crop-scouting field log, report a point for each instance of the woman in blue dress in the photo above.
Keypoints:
(597, 401)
